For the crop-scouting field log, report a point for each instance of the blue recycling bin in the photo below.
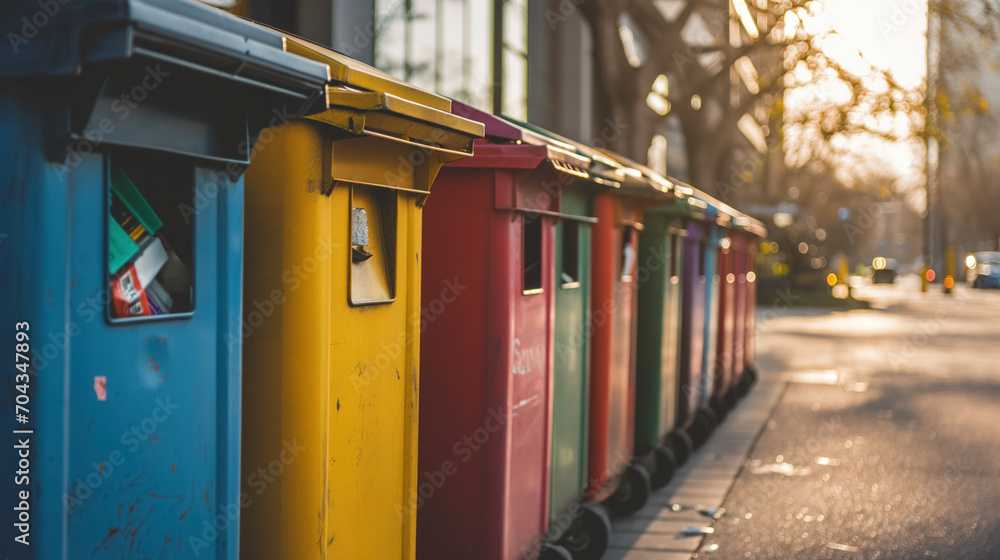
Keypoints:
(125, 127)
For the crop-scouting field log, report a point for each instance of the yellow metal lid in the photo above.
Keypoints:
(383, 101)
(350, 72)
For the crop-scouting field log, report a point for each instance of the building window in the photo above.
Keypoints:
(444, 46)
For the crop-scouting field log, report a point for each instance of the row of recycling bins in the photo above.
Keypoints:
(289, 348)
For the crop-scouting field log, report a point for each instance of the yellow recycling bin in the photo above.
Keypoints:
(331, 313)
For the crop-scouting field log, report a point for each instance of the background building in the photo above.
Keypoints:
(535, 60)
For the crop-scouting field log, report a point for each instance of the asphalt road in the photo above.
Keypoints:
(886, 442)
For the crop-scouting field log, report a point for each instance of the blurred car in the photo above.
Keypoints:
(883, 270)
(983, 269)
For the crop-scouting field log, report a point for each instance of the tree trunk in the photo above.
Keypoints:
(616, 79)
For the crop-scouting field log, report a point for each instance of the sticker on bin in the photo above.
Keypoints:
(101, 387)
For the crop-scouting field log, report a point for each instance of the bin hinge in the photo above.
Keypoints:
(326, 180)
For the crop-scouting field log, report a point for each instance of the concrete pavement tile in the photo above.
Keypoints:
(654, 541)
(657, 526)
(654, 531)
(657, 511)
(625, 554)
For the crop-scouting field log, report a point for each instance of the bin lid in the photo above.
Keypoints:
(609, 169)
(356, 74)
(724, 214)
(368, 102)
(508, 144)
(693, 203)
(688, 204)
(182, 32)
(750, 225)
(640, 178)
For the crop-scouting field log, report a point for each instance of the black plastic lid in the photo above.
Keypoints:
(58, 37)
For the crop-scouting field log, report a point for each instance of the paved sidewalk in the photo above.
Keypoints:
(655, 532)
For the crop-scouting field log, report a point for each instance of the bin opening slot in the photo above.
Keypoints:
(373, 234)
(532, 253)
(628, 253)
(570, 274)
(150, 234)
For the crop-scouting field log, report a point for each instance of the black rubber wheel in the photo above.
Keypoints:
(701, 429)
(713, 418)
(632, 492)
(590, 535)
(732, 397)
(666, 465)
(553, 552)
(680, 443)
(752, 372)
(977, 284)
(744, 385)
(719, 406)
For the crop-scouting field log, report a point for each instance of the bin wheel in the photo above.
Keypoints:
(746, 382)
(752, 372)
(553, 552)
(733, 397)
(720, 406)
(743, 387)
(680, 443)
(713, 418)
(666, 465)
(632, 493)
(590, 535)
(977, 284)
(701, 429)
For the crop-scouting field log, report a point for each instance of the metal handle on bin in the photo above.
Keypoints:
(459, 153)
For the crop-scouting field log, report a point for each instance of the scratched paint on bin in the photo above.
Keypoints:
(341, 395)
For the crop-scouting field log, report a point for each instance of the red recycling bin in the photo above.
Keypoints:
(745, 256)
(487, 346)
(750, 347)
(724, 380)
(741, 307)
(623, 485)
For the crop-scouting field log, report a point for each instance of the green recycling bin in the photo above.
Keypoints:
(659, 444)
